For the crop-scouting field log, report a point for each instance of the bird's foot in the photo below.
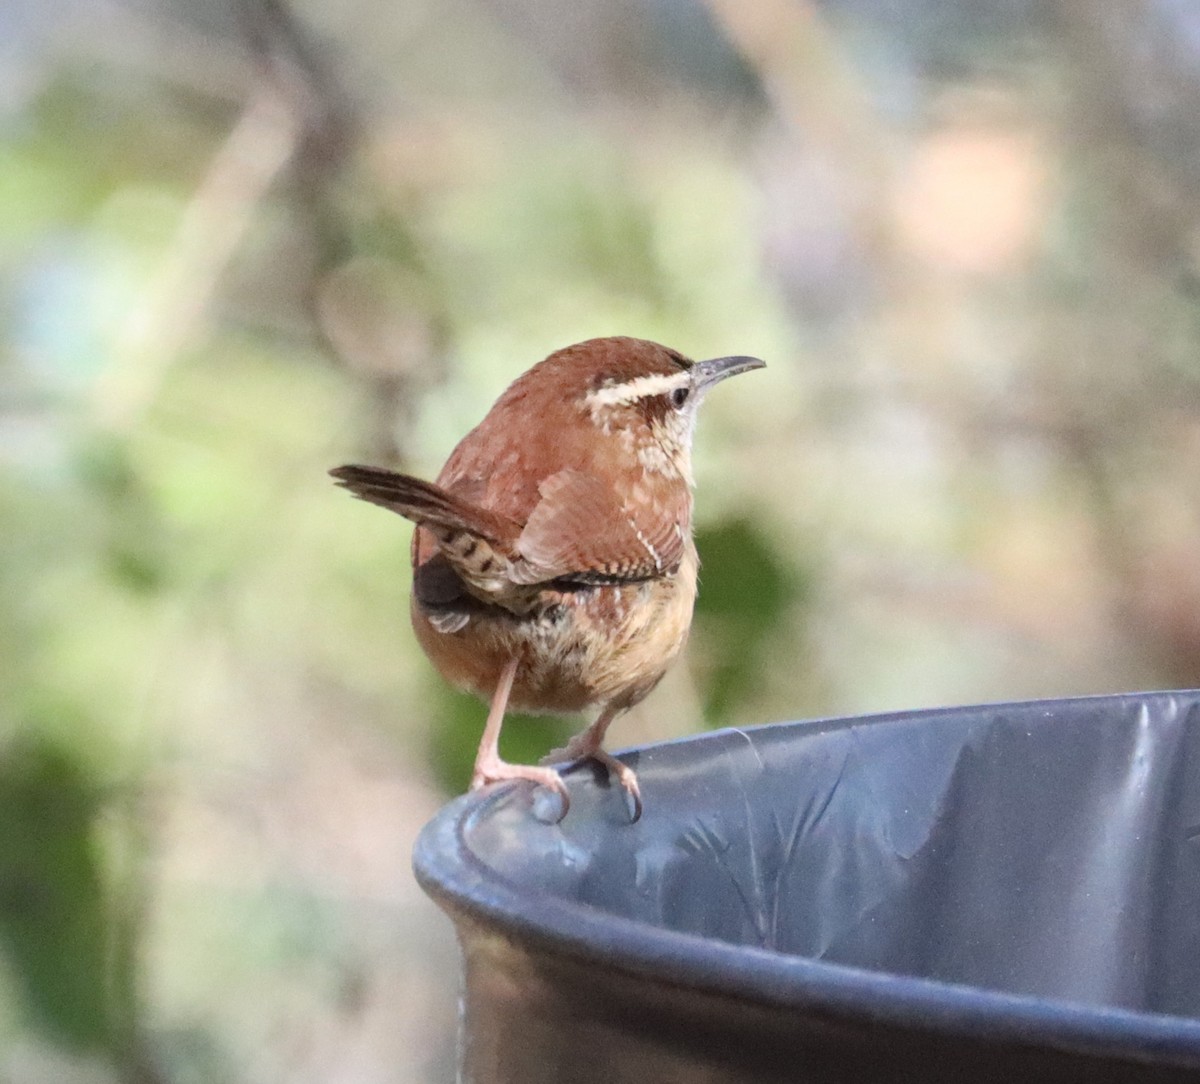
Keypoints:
(581, 748)
(495, 770)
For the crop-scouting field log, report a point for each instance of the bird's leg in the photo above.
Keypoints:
(587, 745)
(489, 768)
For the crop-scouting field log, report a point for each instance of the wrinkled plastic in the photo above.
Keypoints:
(980, 885)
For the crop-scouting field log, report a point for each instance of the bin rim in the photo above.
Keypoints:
(465, 885)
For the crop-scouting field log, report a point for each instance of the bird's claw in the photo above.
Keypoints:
(500, 771)
(578, 748)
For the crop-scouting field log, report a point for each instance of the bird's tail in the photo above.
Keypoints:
(425, 503)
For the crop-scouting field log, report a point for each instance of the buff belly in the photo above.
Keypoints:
(606, 645)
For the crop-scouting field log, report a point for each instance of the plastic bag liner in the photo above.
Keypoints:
(1008, 892)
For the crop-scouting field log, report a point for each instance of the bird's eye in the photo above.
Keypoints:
(680, 396)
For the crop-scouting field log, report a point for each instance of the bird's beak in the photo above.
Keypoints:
(707, 373)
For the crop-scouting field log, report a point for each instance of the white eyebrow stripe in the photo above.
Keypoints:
(633, 390)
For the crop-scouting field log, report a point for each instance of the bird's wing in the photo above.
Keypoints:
(583, 532)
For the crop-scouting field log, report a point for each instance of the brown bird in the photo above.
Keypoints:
(553, 562)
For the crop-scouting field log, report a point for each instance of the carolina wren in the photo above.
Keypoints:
(553, 562)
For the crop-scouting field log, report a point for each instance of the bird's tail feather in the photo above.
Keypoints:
(425, 503)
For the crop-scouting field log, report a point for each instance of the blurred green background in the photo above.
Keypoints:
(243, 242)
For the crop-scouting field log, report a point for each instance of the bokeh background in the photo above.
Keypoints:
(242, 242)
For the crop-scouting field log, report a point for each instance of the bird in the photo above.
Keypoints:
(554, 568)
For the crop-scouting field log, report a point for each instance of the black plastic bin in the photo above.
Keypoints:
(1000, 893)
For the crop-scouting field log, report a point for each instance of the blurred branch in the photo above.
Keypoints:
(806, 77)
(213, 225)
(298, 114)
(327, 118)
(1135, 119)
(330, 128)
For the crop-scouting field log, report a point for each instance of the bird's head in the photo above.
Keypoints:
(642, 395)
